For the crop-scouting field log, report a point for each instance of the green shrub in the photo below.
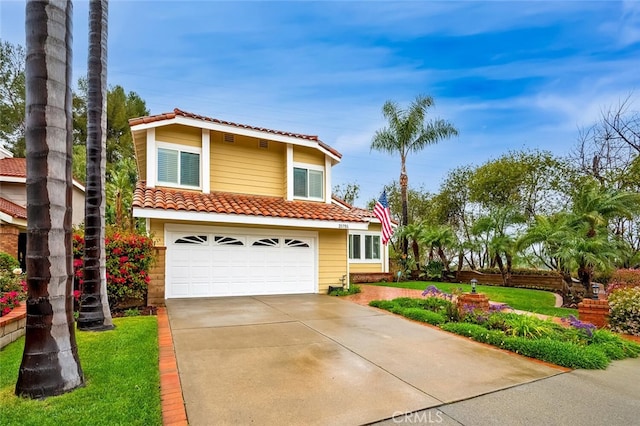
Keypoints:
(565, 354)
(353, 289)
(625, 310)
(382, 304)
(527, 326)
(422, 315)
(475, 332)
(8, 263)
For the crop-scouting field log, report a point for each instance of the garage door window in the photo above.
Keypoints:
(192, 239)
(227, 241)
(295, 243)
(267, 242)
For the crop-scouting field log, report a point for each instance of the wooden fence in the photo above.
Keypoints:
(544, 282)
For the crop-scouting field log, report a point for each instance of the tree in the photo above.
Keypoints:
(440, 238)
(413, 232)
(95, 313)
(348, 192)
(407, 133)
(120, 189)
(12, 97)
(50, 363)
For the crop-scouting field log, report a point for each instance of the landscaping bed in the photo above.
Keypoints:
(573, 344)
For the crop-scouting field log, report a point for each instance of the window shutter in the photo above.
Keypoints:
(167, 165)
(300, 182)
(189, 169)
(315, 184)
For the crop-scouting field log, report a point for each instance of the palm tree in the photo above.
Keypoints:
(50, 364)
(413, 232)
(439, 238)
(94, 304)
(407, 133)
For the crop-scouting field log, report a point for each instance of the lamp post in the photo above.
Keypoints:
(595, 289)
(474, 282)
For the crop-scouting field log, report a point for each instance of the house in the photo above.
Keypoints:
(243, 210)
(13, 203)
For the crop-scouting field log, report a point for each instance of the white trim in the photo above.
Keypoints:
(179, 148)
(205, 162)
(245, 220)
(289, 172)
(152, 161)
(7, 218)
(327, 180)
(226, 128)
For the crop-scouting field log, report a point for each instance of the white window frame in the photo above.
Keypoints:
(308, 167)
(363, 237)
(179, 148)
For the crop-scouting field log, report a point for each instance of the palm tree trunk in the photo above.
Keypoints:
(50, 364)
(404, 182)
(94, 304)
(444, 260)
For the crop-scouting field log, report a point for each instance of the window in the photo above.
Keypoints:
(354, 246)
(307, 183)
(372, 247)
(364, 247)
(178, 167)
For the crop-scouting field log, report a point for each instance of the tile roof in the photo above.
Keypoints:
(241, 204)
(177, 112)
(12, 209)
(13, 167)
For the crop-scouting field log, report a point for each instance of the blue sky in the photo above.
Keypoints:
(510, 75)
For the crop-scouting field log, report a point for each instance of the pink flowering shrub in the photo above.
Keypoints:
(13, 288)
(623, 278)
(128, 259)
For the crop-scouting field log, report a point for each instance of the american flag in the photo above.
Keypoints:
(381, 210)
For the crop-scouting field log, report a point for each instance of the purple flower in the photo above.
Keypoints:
(574, 322)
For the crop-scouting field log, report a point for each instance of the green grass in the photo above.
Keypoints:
(538, 301)
(122, 382)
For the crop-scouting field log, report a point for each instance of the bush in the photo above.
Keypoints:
(421, 315)
(565, 354)
(13, 288)
(625, 310)
(623, 278)
(382, 304)
(353, 289)
(8, 263)
(475, 332)
(128, 259)
(521, 271)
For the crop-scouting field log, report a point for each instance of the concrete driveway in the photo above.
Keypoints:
(315, 359)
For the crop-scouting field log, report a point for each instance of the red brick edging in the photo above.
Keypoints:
(173, 411)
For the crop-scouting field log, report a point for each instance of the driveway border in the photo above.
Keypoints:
(172, 401)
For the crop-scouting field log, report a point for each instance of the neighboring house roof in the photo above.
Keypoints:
(13, 167)
(240, 204)
(12, 209)
(177, 112)
(15, 170)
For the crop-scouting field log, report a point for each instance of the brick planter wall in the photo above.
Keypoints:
(370, 277)
(12, 325)
(594, 311)
(474, 301)
(155, 291)
(9, 239)
(547, 282)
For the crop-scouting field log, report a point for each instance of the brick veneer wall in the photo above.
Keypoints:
(155, 291)
(9, 239)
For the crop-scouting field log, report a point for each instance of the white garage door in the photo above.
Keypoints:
(227, 262)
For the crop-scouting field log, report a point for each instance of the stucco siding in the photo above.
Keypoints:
(244, 167)
(302, 154)
(332, 253)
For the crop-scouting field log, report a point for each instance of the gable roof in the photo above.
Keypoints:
(12, 209)
(179, 113)
(238, 204)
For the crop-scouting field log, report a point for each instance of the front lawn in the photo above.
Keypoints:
(574, 344)
(122, 382)
(538, 301)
